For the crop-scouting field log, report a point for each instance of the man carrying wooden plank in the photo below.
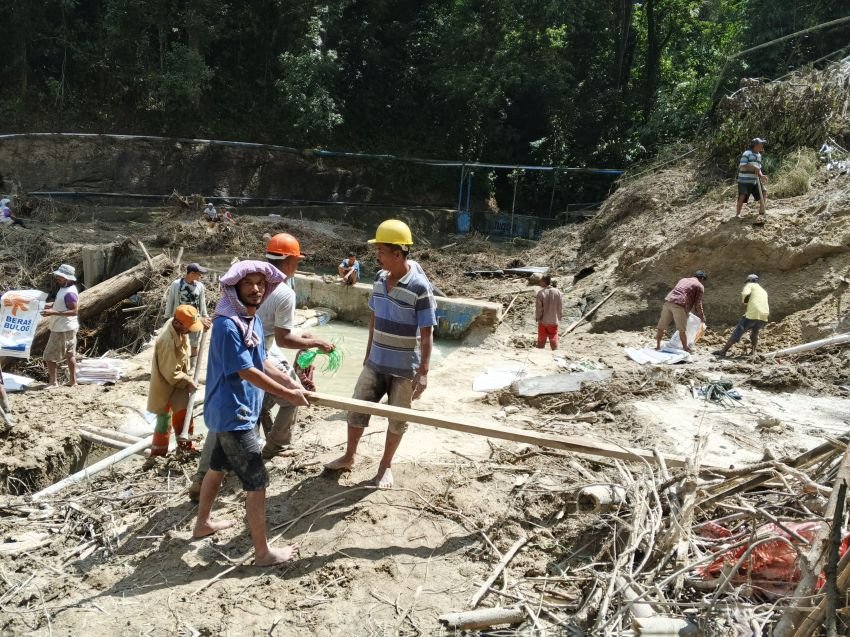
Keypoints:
(398, 352)
(278, 316)
(171, 384)
(237, 375)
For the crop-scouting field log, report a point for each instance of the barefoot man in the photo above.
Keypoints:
(403, 318)
(237, 375)
(62, 313)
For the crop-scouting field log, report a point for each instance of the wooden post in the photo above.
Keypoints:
(184, 433)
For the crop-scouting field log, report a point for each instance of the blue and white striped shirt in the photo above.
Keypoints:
(399, 315)
(748, 157)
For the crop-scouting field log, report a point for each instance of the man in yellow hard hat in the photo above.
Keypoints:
(398, 352)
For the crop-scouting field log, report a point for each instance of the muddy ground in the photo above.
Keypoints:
(115, 555)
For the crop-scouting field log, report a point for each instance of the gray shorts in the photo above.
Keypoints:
(239, 451)
(373, 386)
(60, 346)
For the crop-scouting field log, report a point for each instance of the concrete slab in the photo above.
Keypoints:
(456, 317)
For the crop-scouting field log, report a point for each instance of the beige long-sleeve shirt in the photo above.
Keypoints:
(547, 307)
(169, 368)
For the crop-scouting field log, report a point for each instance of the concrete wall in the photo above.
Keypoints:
(455, 316)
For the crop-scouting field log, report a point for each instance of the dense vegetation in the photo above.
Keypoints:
(573, 82)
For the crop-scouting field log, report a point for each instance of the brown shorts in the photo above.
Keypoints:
(675, 313)
(60, 346)
(373, 386)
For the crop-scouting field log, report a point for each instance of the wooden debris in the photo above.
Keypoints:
(587, 314)
(483, 618)
(494, 575)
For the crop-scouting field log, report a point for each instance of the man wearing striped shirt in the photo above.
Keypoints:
(749, 175)
(398, 352)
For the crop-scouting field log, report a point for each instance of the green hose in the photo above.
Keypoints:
(332, 363)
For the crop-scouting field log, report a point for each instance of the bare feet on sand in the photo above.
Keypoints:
(205, 529)
(384, 479)
(277, 556)
(340, 464)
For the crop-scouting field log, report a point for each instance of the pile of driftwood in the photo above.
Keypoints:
(753, 551)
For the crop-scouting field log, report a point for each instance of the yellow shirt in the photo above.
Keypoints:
(169, 368)
(757, 308)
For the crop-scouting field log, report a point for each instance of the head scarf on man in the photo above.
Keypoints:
(232, 307)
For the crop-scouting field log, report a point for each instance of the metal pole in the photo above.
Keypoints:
(513, 205)
(468, 189)
(460, 187)
(552, 198)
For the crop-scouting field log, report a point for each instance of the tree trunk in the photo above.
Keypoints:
(626, 41)
(653, 58)
(104, 295)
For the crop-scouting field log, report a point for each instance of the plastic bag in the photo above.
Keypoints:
(694, 329)
(19, 315)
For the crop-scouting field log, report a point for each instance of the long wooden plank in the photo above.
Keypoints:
(576, 444)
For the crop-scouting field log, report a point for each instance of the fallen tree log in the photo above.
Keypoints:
(104, 295)
(576, 444)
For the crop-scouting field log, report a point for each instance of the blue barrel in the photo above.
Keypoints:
(464, 221)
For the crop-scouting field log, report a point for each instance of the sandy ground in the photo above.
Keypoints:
(371, 562)
(116, 555)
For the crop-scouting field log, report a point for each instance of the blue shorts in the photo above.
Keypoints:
(747, 325)
(239, 451)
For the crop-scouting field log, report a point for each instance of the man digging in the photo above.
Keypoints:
(237, 375)
(754, 296)
(398, 351)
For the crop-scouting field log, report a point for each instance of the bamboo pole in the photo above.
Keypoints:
(96, 468)
(587, 314)
(838, 339)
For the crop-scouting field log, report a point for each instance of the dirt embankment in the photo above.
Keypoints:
(659, 228)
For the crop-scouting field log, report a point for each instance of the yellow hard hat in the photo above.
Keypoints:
(393, 231)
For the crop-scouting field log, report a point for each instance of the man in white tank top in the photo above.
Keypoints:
(62, 314)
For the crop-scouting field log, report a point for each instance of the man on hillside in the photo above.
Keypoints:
(754, 296)
(6, 216)
(683, 299)
(189, 290)
(171, 384)
(750, 176)
(349, 269)
(238, 374)
(278, 316)
(547, 313)
(398, 352)
(62, 344)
